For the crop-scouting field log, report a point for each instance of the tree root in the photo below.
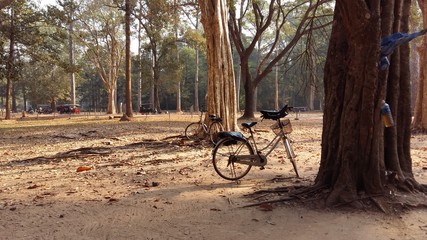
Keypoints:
(388, 203)
(85, 151)
(298, 193)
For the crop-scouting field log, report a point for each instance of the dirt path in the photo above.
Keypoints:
(139, 187)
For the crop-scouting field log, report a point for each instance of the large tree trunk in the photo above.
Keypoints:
(353, 159)
(221, 88)
(351, 136)
(420, 111)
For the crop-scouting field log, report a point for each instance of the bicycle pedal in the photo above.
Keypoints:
(261, 168)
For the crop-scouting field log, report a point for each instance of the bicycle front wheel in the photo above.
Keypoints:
(224, 154)
(195, 131)
(291, 154)
(214, 129)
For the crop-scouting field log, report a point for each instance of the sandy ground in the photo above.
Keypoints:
(139, 187)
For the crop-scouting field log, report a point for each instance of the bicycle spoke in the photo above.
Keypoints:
(223, 155)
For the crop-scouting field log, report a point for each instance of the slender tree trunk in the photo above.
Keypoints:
(250, 100)
(178, 97)
(196, 78)
(420, 111)
(13, 96)
(152, 97)
(312, 74)
(111, 100)
(238, 81)
(139, 68)
(276, 88)
(403, 109)
(196, 83)
(221, 88)
(128, 57)
(178, 85)
(250, 103)
(71, 61)
(10, 63)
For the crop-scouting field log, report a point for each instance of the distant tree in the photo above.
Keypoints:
(10, 69)
(63, 16)
(193, 37)
(45, 83)
(101, 32)
(21, 29)
(155, 19)
(269, 18)
(128, 58)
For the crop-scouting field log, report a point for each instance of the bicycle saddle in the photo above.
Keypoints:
(215, 118)
(274, 115)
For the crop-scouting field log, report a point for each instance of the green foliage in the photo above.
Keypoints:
(169, 35)
(44, 83)
(194, 39)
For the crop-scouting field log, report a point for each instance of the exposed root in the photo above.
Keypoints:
(297, 193)
(125, 118)
(390, 202)
(85, 151)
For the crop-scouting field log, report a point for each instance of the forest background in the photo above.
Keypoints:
(67, 52)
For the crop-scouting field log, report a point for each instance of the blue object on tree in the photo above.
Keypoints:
(390, 43)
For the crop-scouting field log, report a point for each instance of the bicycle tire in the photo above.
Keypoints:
(214, 129)
(291, 154)
(223, 154)
(195, 131)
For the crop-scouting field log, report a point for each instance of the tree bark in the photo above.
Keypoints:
(196, 77)
(5, 3)
(129, 109)
(221, 88)
(10, 64)
(420, 111)
(356, 150)
(352, 128)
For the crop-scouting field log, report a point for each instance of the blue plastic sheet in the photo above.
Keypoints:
(390, 43)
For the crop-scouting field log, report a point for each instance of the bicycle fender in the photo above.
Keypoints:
(233, 135)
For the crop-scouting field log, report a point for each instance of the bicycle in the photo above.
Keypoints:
(234, 155)
(198, 130)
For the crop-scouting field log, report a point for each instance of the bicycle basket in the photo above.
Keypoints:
(286, 126)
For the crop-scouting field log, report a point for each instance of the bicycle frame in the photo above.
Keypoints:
(273, 143)
(260, 159)
(235, 154)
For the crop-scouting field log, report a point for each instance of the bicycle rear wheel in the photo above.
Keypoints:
(195, 131)
(223, 155)
(214, 129)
